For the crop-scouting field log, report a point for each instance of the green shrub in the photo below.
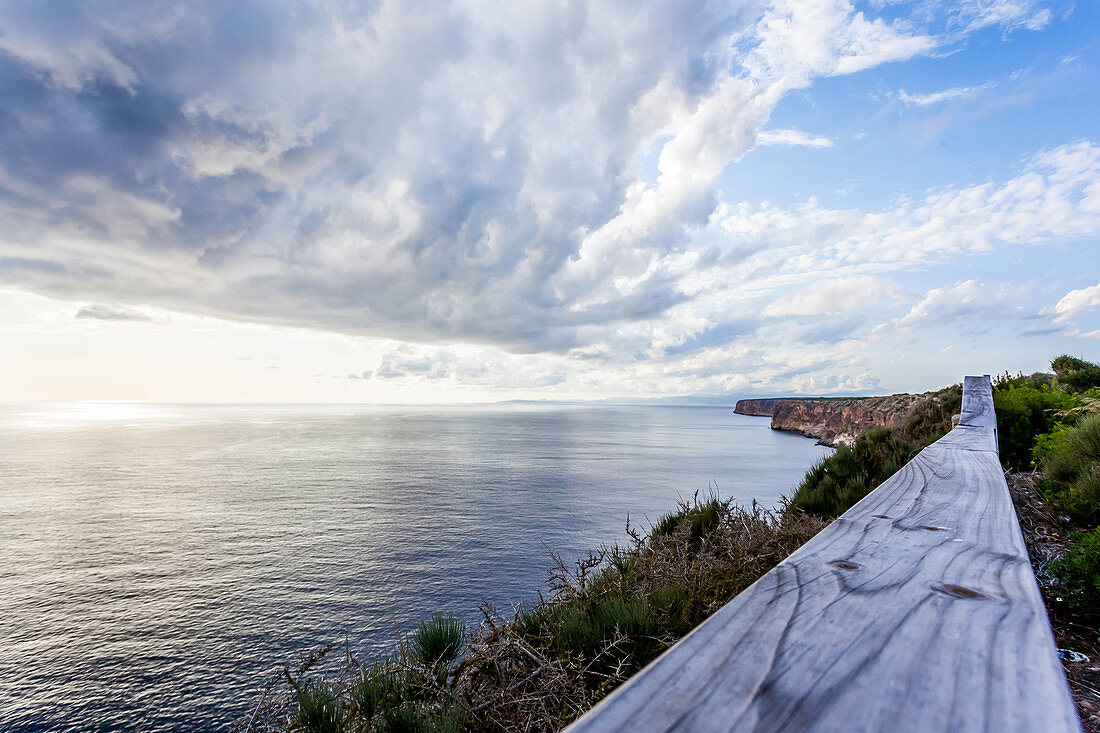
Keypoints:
(1025, 412)
(632, 619)
(437, 641)
(834, 485)
(1079, 573)
(588, 632)
(377, 688)
(576, 632)
(1076, 374)
(667, 524)
(668, 601)
(530, 621)
(318, 708)
(1071, 459)
(930, 418)
(1049, 445)
(703, 519)
(413, 718)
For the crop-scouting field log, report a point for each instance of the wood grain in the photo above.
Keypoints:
(916, 610)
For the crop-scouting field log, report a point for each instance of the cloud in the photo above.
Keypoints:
(833, 296)
(102, 312)
(470, 177)
(467, 366)
(946, 95)
(1076, 302)
(473, 179)
(793, 137)
(1010, 15)
(970, 304)
(1056, 195)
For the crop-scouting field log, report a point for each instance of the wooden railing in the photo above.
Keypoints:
(916, 610)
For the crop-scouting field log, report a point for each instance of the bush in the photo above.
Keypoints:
(667, 524)
(1076, 374)
(1071, 459)
(377, 688)
(318, 708)
(1078, 571)
(413, 718)
(1024, 412)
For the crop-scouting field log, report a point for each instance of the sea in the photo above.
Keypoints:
(158, 562)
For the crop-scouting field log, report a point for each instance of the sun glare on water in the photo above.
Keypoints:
(75, 414)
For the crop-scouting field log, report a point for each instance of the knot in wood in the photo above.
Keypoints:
(844, 564)
(958, 591)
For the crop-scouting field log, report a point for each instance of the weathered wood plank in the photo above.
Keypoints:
(917, 610)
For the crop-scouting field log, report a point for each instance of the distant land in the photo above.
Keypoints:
(831, 420)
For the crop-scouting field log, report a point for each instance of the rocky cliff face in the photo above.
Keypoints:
(756, 408)
(831, 420)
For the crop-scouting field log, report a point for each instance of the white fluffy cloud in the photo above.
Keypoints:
(1076, 302)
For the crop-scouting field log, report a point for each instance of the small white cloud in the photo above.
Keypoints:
(793, 137)
(947, 95)
(1076, 302)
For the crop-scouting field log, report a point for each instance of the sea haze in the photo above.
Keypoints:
(158, 561)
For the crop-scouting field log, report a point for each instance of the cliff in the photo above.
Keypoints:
(832, 420)
(756, 408)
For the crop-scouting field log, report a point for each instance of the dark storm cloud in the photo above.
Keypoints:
(338, 166)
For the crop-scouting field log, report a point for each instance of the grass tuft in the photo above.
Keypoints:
(437, 641)
(318, 708)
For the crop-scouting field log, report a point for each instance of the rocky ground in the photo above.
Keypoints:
(1046, 534)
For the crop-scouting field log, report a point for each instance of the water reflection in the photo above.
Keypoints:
(156, 561)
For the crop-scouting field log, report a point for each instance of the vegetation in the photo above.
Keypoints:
(1071, 459)
(1075, 374)
(607, 616)
(436, 643)
(834, 485)
(1052, 423)
(318, 708)
(1079, 573)
(1027, 407)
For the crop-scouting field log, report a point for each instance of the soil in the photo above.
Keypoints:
(1047, 535)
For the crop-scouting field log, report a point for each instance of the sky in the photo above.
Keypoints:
(337, 201)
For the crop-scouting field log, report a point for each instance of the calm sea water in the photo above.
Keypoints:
(157, 562)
